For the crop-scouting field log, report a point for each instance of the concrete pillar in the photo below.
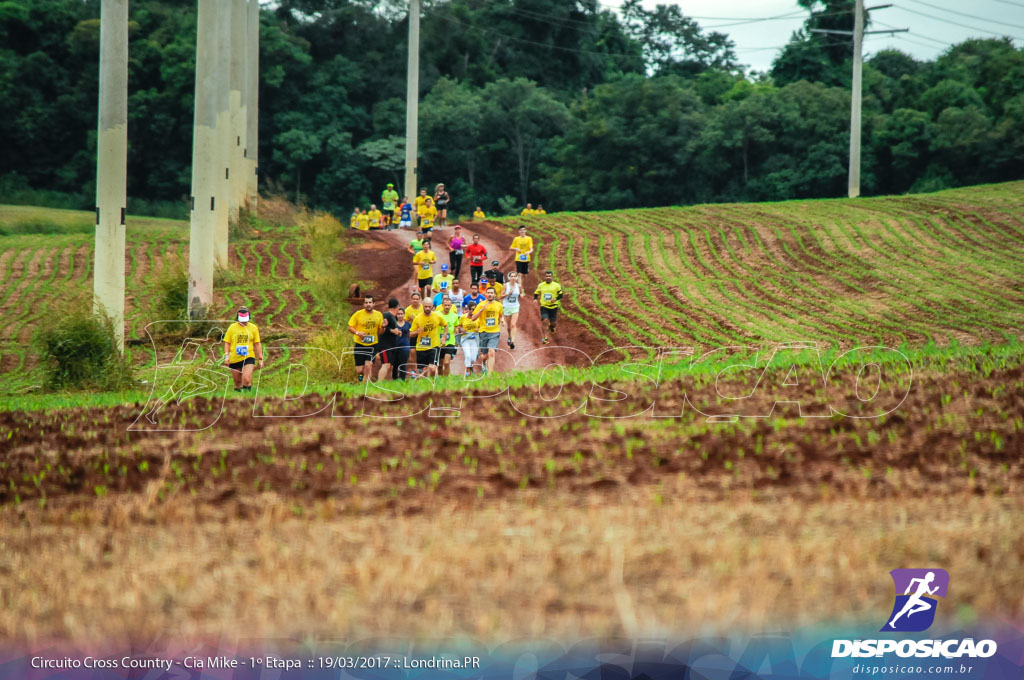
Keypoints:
(205, 165)
(252, 92)
(224, 138)
(111, 164)
(239, 176)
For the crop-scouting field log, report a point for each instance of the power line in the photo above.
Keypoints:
(457, 22)
(918, 42)
(957, 23)
(1009, 2)
(963, 14)
(920, 35)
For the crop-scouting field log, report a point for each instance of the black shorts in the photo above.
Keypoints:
(550, 313)
(449, 351)
(427, 357)
(363, 353)
(386, 354)
(237, 366)
(429, 281)
(522, 267)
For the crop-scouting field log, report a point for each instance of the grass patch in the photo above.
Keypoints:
(39, 225)
(79, 350)
(322, 365)
(329, 277)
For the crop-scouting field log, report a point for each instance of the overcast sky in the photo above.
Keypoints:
(928, 36)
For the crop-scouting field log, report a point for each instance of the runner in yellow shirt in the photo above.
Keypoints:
(478, 214)
(427, 215)
(540, 210)
(365, 327)
(522, 249)
(414, 309)
(420, 200)
(486, 284)
(428, 332)
(375, 217)
(548, 297)
(242, 349)
(362, 221)
(489, 314)
(424, 261)
(352, 219)
(528, 210)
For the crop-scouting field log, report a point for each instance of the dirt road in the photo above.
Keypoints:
(528, 336)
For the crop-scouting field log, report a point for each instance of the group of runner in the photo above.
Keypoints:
(442, 317)
(395, 212)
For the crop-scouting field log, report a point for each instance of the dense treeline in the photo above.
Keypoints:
(566, 104)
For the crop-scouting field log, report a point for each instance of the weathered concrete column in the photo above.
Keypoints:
(239, 178)
(252, 99)
(224, 138)
(111, 164)
(205, 165)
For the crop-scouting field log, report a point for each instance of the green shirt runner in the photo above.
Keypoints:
(451, 318)
(389, 197)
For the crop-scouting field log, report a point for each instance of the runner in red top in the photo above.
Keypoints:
(477, 254)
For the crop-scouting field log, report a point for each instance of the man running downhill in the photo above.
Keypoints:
(548, 297)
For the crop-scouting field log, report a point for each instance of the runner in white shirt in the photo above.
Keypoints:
(510, 295)
(457, 293)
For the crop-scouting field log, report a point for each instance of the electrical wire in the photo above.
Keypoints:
(919, 35)
(902, 36)
(462, 24)
(957, 23)
(1009, 2)
(964, 14)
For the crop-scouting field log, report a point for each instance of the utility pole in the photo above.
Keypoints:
(252, 98)
(412, 101)
(853, 182)
(205, 165)
(112, 165)
(223, 139)
(858, 33)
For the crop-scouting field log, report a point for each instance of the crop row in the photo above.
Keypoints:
(889, 270)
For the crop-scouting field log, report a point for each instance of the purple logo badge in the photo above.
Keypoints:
(916, 590)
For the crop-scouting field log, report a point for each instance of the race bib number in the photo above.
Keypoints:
(367, 339)
(522, 258)
(242, 350)
(512, 299)
(425, 341)
(548, 297)
(425, 266)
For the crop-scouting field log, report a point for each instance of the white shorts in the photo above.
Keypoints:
(511, 309)
(405, 223)
(470, 350)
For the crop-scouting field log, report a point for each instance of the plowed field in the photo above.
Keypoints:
(626, 500)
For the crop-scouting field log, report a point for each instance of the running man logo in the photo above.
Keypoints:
(914, 610)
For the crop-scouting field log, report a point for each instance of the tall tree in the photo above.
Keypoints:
(528, 117)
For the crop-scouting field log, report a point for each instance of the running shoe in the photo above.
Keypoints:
(545, 340)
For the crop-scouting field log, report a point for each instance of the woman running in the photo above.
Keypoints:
(510, 305)
(455, 246)
(441, 201)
